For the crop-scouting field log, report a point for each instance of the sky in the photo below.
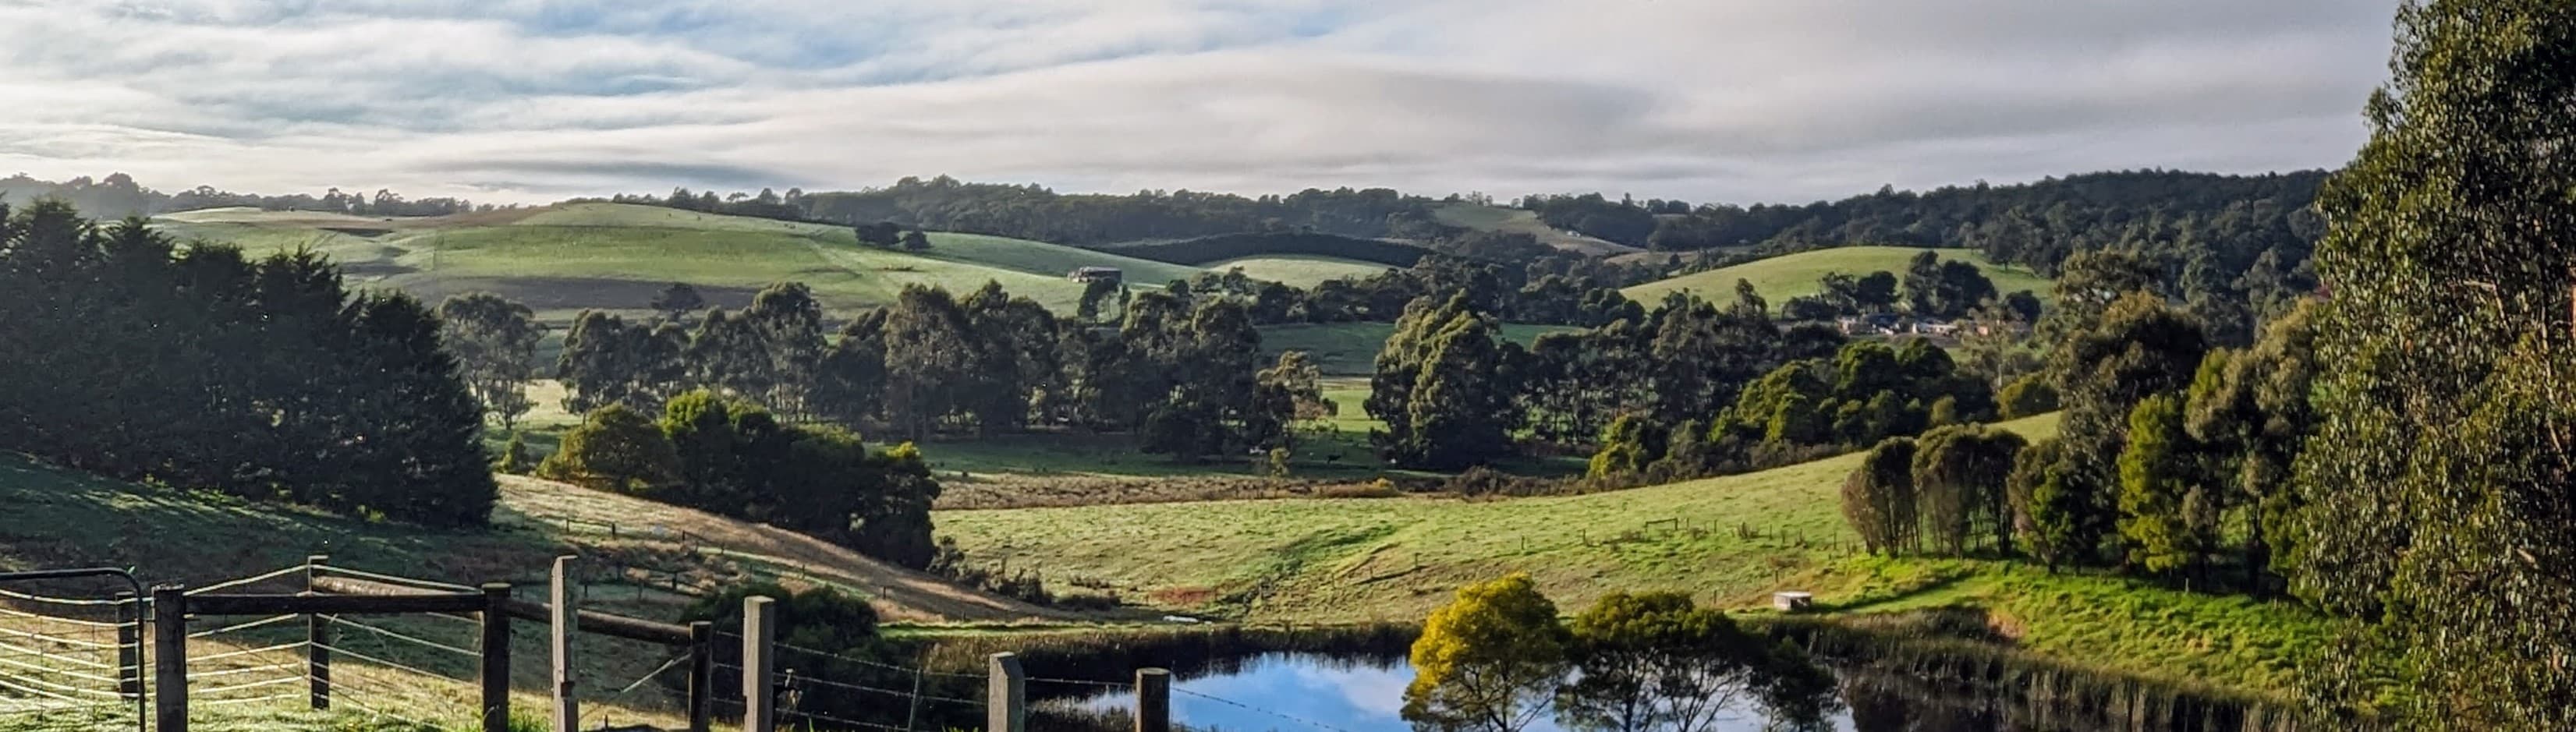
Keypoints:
(1703, 100)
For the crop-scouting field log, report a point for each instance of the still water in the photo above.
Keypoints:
(1326, 693)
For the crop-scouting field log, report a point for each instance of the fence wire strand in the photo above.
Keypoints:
(1251, 708)
(381, 662)
(337, 620)
(250, 580)
(243, 626)
(419, 583)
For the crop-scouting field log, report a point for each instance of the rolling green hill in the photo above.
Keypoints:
(1729, 540)
(561, 259)
(1394, 559)
(1789, 275)
(1298, 269)
(1497, 218)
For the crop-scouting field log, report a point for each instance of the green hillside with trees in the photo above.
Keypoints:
(1801, 274)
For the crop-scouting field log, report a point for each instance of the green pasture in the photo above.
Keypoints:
(1789, 275)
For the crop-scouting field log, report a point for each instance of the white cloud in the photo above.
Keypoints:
(1707, 100)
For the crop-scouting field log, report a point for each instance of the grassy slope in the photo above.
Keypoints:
(1393, 559)
(1350, 349)
(1782, 277)
(1298, 269)
(62, 518)
(1497, 218)
(1313, 561)
(560, 259)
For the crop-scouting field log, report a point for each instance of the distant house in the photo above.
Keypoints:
(1098, 274)
(1936, 328)
(2005, 327)
(1872, 324)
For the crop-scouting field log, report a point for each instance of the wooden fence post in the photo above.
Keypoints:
(129, 645)
(1006, 702)
(317, 640)
(496, 657)
(564, 623)
(759, 680)
(170, 658)
(1153, 700)
(702, 675)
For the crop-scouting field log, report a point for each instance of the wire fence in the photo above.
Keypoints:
(67, 662)
(78, 663)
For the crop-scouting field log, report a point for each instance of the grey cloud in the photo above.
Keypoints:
(1715, 99)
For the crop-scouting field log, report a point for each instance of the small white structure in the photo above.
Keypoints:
(1790, 602)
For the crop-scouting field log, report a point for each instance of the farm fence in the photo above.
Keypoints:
(426, 655)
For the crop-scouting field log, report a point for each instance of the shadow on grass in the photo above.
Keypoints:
(1867, 602)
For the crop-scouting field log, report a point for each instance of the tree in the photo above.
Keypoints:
(677, 300)
(2437, 483)
(494, 341)
(788, 324)
(1959, 477)
(2168, 518)
(615, 449)
(2030, 395)
(1288, 393)
(1878, 499)
(2255, 420)
(930, 348)
(606, 361)
(1095, 291)
(916, 241)
(515, 459)
(1436, 389)
(2140, 347)
(882, 234)
(1655, 661)
(2046, 515)
(1489, 660)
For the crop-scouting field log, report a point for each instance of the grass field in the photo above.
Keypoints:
(1299, 270)
(1393, 559)
(1729, 540)
(1497, 218)
(61, 518)
(2098, 620)
(1350, 349)
(1782, 277)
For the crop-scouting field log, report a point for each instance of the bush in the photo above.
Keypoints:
(1380, 488)
(1481, 481)
(2027, 396)
(615, 449)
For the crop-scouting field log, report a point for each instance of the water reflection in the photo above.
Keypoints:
(1324, 692)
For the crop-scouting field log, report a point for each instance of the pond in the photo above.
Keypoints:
(1322, 692)
(1312, 692)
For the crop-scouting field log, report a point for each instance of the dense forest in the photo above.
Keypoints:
(196, 367)
(118, 196)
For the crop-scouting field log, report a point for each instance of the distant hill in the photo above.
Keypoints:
(1034, 212)
(1204, 250)
(563, 258)
(1522, 221)
(1298, 270)
(1790, 275)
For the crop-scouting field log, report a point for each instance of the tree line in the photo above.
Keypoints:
(1499, 658)
(199, 368)
(732, 458)
(1181, 368)
(118, 195)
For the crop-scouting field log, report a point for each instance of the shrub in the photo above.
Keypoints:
(2027, 396)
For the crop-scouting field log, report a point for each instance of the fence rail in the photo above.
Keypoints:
(354, 653)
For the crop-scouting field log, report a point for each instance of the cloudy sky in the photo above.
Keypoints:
(1731, 100)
